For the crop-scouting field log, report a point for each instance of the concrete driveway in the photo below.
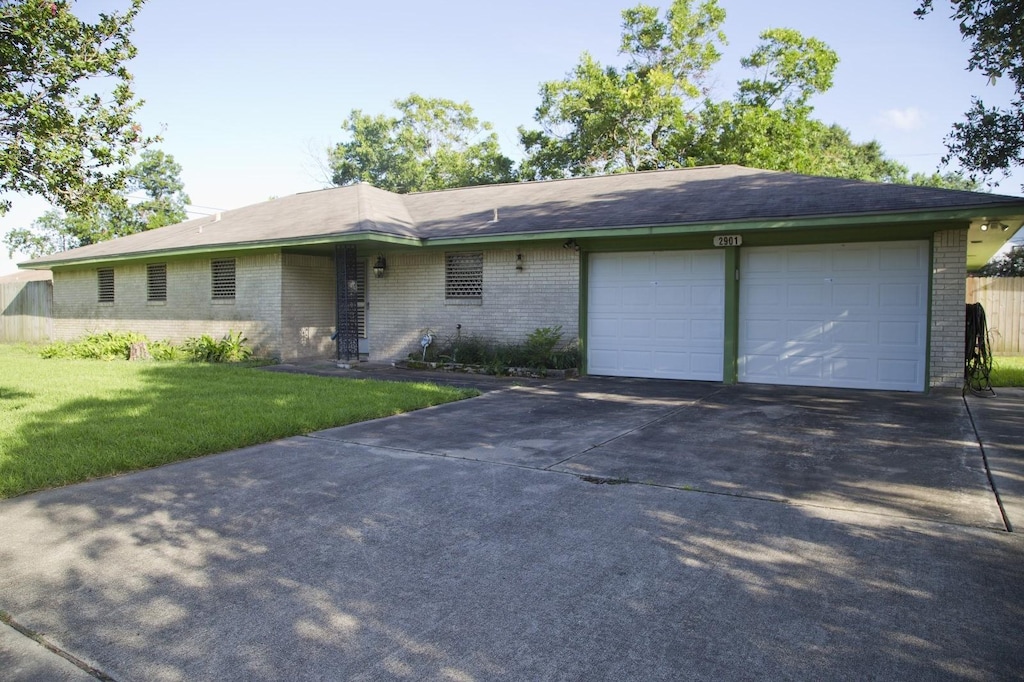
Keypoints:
(589, 529)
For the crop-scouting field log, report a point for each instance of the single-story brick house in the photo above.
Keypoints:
(719, 273)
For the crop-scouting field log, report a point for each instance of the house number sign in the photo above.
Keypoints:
(728, 240)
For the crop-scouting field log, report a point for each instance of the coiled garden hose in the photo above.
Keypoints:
(977, 356)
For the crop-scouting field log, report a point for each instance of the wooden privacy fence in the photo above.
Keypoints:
(26, 311)
(1003, 300)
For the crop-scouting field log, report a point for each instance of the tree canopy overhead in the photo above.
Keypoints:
(67, 126)
(606, 119)
(654, 111)
(432, 144)
(156, 176)
(990, 139)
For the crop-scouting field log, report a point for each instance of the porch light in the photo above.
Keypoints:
(379, 266)
(519, 262)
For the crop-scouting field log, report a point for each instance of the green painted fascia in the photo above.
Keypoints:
(222, 250)
(584, 307)
(928, 330)
(731, 341)
(926, 221)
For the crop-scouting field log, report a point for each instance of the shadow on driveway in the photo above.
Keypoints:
(325, 557)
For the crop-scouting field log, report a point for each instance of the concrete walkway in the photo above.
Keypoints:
(588, 529)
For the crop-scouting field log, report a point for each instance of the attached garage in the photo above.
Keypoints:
(842, 315)
(656, 314)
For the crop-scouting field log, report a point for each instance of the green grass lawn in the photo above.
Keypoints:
(64, 421)
(1007, 371)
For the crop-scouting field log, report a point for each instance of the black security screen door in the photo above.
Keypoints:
(347, 332)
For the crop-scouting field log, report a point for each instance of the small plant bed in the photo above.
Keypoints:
(67, 420)
(541, 354)
(531, 372)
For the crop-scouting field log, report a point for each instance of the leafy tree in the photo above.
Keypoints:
(62, 134)
(990, 139)
(157, 176)
(432, 144)
(948, 180)
(769, 123)
(788, 69)
(606, 119)
(1010, 264)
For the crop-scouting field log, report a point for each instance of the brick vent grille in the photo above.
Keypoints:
(223, 273)
(464, 275)
(105, 281)
(156, 282)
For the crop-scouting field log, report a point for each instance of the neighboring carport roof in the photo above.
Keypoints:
(685, 197)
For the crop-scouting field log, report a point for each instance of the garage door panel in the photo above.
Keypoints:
(804, 261)
(851, 368)
(901, 295)
(671, 331)
(898, 371)
(851, 332)
(635, 266)
(901, 333)
(900, 258)
(669, 297)
(705, 366)
(853, 295)
(859, 322)
(670, 308)
(636, 297)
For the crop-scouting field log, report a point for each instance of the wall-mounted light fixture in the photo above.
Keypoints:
(519, 262)
(984, 226)
(571, 244)
(379, 266)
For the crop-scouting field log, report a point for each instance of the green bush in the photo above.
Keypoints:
(540, 344)
(117, 346)
(231, 348)
(98, 346)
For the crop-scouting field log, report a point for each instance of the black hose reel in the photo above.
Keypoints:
(977, 353)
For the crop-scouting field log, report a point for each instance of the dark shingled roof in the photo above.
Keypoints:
(691, 196)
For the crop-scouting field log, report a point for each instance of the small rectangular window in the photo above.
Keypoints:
(105, 281)
(156, 282)
(464, 275)
(223, 279)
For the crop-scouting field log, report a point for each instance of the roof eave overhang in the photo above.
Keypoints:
(375, 238)
(939, 218)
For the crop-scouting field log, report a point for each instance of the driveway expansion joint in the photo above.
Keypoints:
(39, 639)
(670, 413)
(988, 470)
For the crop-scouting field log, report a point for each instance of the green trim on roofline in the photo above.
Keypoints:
(848, 227)
(226, 249)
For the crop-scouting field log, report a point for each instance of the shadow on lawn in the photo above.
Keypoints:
(180, 411)
(313, 560)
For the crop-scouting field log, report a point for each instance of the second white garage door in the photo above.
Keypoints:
(656, 314)
(843, 315)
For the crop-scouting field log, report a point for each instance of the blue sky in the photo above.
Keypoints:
(248, 95)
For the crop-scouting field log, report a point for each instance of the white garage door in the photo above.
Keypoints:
(656, 314)
(844, 315)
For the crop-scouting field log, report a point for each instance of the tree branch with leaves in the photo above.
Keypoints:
(67, 108)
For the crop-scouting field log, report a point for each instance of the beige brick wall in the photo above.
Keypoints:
(307, 306)
(189, 309)
(949, 289)
(410, 298)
